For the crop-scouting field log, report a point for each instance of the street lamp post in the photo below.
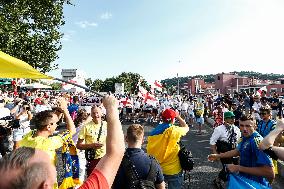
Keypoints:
(178, 81)
(177, 85)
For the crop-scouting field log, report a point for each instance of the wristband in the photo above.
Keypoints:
(269, 151)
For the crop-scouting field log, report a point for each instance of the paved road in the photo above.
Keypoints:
(204, 172)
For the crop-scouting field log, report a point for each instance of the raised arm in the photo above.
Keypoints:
(181, 121)
(69, 122)
(269, 140)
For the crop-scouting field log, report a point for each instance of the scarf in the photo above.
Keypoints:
(70, 162)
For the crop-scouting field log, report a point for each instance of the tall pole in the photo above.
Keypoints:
(178, 81)
(178, 85)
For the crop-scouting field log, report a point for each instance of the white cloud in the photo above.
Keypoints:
(66, 37)
(85, 24)
(106, 16)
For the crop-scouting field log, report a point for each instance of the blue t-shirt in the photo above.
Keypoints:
(252, 156)
(73, 108)
(264, 128)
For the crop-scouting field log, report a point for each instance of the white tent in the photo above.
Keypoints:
(36, 86)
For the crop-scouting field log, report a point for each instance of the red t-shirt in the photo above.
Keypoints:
(95, 181)
(38, 100)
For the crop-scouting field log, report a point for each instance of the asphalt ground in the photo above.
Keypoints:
(204, 171)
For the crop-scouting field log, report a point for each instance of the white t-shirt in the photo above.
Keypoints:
(4, 112)
(184, 106)
(40, 108)
(222, 133)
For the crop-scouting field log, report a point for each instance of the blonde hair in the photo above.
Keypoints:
(134, 132)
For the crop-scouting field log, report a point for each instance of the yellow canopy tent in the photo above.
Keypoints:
(11, 67)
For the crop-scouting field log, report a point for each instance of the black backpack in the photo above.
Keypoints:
(133, 178)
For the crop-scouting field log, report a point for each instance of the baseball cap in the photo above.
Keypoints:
(229, 115)
(168, 115)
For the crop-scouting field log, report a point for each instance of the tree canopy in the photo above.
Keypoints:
(130, 81)
(29, 30)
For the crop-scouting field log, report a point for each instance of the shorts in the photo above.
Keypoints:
(155, 111)
(200, 120)
(148, 111)
(191, 114)
(137, 111)
(128, 110)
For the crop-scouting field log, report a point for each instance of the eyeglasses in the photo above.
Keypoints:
(261, 113)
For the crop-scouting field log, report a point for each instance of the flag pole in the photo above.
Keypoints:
(77, 85)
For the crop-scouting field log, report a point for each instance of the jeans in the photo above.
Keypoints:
(174, 181)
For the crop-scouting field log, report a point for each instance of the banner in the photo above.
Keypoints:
(239, 182)
(91, 101)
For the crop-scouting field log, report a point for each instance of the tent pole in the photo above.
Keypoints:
(86, 88)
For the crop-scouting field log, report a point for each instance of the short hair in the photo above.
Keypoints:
(32, 176)
(82, 116)
(266, 109)
(57, 109)
(249, 117)
(41, 119)
(134, 132)
(75, 99)
(17, 159)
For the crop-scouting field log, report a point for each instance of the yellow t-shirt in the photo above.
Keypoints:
(89, 133)
(48, 145)
(164, 148)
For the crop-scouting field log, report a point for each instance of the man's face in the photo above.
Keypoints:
(52, 123)
(96, 113)
(247, 127)
(264, 115)
(230, 121)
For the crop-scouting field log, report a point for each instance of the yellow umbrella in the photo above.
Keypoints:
(11, 67)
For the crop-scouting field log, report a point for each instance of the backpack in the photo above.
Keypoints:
(185, 158)
(133, 178)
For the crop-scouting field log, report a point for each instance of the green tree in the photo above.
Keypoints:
(97, 85)
(108, 85)
(29, 30)
(56, 86)
(130, 81)
(88, 82)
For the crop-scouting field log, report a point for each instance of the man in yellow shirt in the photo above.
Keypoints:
(46, 124)
(92, 139)
(163, 145)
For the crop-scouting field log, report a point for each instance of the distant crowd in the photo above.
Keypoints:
(37, 128)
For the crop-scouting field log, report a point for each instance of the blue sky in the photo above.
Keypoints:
(160, 38)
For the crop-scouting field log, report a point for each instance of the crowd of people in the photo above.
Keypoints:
(34, 126)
